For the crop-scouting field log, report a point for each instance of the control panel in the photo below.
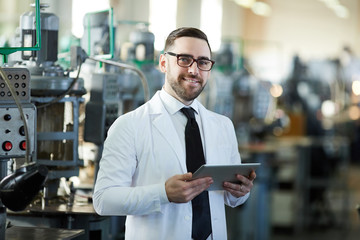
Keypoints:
(12, 129)
(19, 79)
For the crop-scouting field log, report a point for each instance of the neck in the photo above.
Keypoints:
(173, 94)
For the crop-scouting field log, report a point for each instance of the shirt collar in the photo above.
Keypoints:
(172, 105)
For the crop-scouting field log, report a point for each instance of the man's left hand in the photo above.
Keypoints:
(242, 188)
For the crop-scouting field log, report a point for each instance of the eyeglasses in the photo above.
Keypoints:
(185, 61)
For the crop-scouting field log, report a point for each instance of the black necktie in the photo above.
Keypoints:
(201, 223)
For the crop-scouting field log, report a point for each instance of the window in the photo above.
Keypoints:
(211, 20)
(80, 8)
(162, 20)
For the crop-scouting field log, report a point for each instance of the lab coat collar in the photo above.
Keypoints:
(172, 105)
(162, 122)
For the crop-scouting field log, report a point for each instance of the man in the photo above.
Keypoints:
(143, 171)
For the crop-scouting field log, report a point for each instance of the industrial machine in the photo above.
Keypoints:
(55, 99)
(57, 96)
(39, 105)
(17, 124)
(20, 180)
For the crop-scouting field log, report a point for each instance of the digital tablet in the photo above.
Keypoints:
(224, 173)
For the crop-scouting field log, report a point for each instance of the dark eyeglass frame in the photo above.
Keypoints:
(193, 60)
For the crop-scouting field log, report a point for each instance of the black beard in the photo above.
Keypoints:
(181, 92)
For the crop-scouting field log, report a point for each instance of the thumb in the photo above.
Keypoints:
(186, 176)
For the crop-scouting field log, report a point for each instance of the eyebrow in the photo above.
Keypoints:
(189, 55)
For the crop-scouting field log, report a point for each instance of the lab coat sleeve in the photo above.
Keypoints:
(114, 193)
(230, 200)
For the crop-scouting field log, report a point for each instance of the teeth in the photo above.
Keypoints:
(190, 80)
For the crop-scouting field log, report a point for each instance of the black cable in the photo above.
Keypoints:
(66, 92)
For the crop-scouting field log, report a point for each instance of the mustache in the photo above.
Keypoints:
(197, 77)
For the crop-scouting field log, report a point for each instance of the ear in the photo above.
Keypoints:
(162, 63)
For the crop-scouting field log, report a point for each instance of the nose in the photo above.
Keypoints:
(193, 68)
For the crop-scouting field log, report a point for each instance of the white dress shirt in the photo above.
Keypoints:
(173, 107)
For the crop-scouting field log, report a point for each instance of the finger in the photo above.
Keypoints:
(240, 187)
(252, 176)
(235, 193)
(199, 185)
(186, 176)
(232, 186)
(242, 179)
(200, 182)
(246, 181)
(247, 185)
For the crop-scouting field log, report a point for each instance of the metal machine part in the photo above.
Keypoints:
(142, 53)
(143, 42)
(17, 190)
(99, 33)
(57, 97)
(49, 34)
(58, 136)
(54, 86)
(48, 78)
(20, 80)
(103, 107)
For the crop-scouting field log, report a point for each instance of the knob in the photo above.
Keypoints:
(22, 145)
(7, 117)
(22, 131)
(7, 146)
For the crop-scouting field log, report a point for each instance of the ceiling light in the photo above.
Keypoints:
(245, 3)
(328, 108)
(261, 8)
(354, 113)
(276, 90)
(341, 11)
(356, 87)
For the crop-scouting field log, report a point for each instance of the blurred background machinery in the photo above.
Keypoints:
(75, 107)
(302, 129)
(290, 129)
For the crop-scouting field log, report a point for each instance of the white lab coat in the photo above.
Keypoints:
(141, 152)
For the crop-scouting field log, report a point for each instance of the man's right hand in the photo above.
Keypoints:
(180, 190)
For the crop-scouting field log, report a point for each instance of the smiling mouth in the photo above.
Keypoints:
(191, 80)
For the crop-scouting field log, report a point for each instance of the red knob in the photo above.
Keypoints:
(23, 145)
(7, 146)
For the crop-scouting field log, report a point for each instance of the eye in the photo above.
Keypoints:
(184, 60)
(204, 62)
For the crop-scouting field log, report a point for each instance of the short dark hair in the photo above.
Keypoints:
(185, 32)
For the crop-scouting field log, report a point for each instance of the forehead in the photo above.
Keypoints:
(193, 46)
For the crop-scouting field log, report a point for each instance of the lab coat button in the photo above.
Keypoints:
(187, 217)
